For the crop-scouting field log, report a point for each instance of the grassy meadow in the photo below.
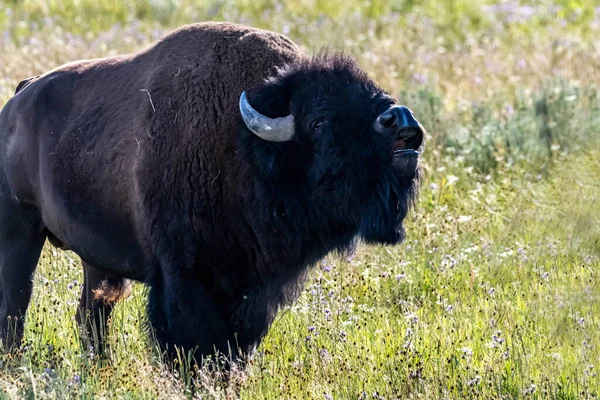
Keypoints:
(496, 292)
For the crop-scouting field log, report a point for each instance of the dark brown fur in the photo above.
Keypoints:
(141, 165)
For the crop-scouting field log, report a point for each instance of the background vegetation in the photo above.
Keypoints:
(496, 293)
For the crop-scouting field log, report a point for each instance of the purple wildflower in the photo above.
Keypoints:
(327, 267)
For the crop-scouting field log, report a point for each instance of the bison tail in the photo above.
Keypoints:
(24, 83)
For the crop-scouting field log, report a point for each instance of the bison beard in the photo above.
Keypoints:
(157, 167)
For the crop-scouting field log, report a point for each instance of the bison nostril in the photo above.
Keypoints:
(387, 119)
(396, 120)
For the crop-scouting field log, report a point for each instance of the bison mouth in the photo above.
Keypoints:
(405, 154)
(400, 152)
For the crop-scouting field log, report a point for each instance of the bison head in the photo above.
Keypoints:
(326, 136)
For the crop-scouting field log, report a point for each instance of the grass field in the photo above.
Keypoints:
(496, 292)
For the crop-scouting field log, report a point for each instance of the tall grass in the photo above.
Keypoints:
(495, 294)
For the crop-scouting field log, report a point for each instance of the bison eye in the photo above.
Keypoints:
(316, 124)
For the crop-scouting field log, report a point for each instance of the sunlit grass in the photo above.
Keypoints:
(496, 292)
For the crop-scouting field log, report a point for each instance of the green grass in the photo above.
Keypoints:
(495, 294)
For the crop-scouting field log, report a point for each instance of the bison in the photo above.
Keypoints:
(215, 167)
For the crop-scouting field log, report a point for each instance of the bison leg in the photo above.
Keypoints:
(254, 311)
(183, 315)
(22, 237)
(252, 315)
(99, 293)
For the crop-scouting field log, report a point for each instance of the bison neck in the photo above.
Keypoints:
(261, 240)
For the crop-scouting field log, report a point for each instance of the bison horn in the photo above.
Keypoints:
(270, 129)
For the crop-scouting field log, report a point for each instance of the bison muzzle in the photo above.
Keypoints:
(216, 167)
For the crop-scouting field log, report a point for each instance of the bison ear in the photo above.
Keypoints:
(272, 98)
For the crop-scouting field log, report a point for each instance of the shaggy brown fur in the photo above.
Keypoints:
(142, 165)
(111, 292)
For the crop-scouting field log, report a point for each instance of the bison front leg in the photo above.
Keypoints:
(255, 310)
(185, 319)
(251, 319)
